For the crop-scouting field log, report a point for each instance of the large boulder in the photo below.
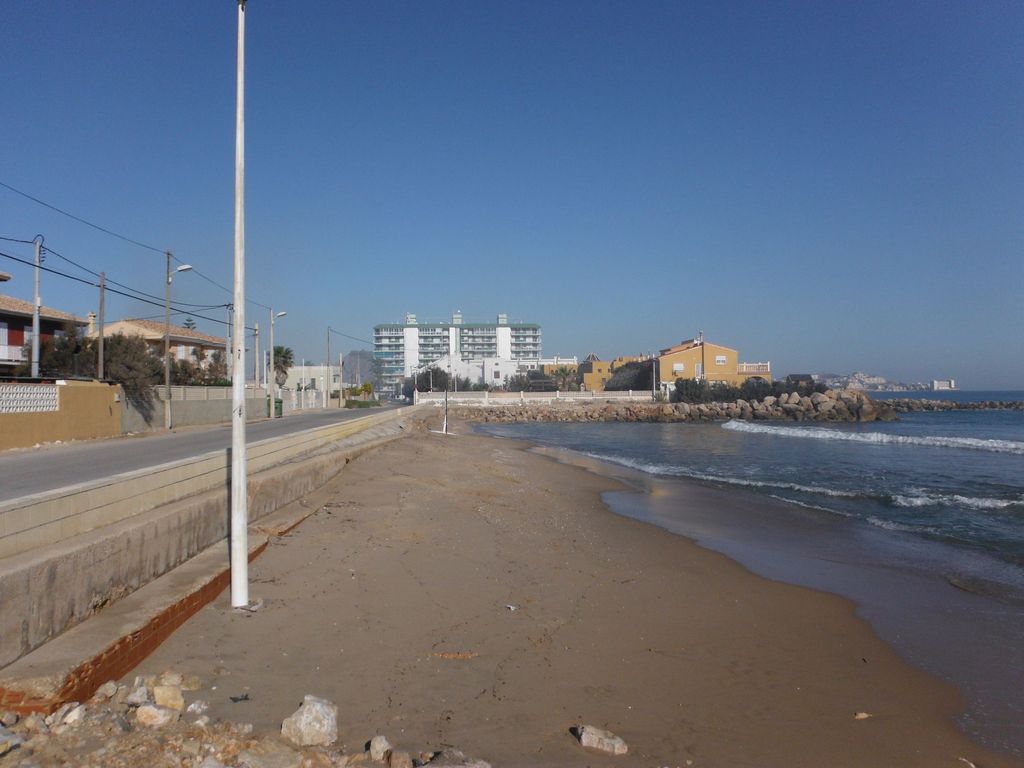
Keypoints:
(314, 723)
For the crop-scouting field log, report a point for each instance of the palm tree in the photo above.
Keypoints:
(284, 359)
(562, 376)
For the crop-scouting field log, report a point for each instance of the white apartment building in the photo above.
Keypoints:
(405, 347)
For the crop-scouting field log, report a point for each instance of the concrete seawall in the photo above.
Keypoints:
(129, 530)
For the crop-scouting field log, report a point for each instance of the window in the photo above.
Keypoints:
(678, 367)
(497, 374)
(719, 359)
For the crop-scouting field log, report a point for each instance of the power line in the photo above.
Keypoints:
(354, 338)
(125, 238)
(128, 287)
(80, 219)
(117, 292)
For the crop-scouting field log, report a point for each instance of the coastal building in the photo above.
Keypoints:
(702, 360)
(185, 343)
(16, 329)
(403, 348)
(943, 385)
(593, 373)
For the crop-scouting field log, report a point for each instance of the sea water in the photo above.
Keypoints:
(919, 521)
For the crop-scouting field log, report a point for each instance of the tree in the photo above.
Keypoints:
(564, 377)
(69, 354)
(635, 376)
(284, 359)
(517, 383)
(189, 323)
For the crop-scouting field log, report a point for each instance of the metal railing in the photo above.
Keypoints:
(754, 368)
(515, 398)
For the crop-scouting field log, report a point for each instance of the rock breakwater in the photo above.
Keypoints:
(914, 404)
(833, 405)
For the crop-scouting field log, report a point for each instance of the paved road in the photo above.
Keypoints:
(23, 473)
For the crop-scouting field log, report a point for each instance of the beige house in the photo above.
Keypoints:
(186, 343)
(701, 360)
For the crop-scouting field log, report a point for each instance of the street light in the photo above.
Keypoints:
(4, 277)
(167, 337)
(272, 374)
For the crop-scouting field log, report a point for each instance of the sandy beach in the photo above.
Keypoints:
(464, 591)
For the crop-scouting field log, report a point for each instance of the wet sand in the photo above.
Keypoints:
(464, 591)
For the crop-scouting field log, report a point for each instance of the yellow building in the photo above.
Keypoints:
(549, 368)
(701, 360)
(593, 374)
(185, 343)
(622, 360)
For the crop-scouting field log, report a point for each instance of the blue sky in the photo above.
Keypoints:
(829, 186)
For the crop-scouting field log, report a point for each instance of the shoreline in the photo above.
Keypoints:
(906, 603)
(419, 548)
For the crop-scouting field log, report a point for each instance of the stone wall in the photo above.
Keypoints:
(841, 405)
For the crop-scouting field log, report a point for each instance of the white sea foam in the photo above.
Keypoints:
(677, 471)
(953, 499)
(880, 438)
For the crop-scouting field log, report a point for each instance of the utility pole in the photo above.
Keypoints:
(99, 351)
(327, 386)
(271, 373)
(703, 362)
(229, 358)
(36, 303)
(167, 337)
(256, 353)
(239, 480)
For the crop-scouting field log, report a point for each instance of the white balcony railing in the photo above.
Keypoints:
(754, 368)
(10, 353)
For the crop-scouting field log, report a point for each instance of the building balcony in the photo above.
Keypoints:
(10, 354)
(754, 368)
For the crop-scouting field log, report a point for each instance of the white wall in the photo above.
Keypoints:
(504, 334)
(412, 349)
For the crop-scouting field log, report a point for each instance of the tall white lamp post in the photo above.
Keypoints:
(239, 476)
(167, 337)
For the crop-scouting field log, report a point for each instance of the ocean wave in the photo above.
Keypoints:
(953, 499)
(880, 438)
(677, 471)
(892, 525)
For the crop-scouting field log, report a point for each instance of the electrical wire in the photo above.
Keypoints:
(125, 238)
(354, 338)
(117, 292)
(128, 287)
(80, 219)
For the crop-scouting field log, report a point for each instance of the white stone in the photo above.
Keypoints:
(211, 762)
(169, 696)
(138, 697)
(155, 717)
(197, 707)
(75, 716)
(314, 723)
(602, 740)
(379, 747)
(107, 690)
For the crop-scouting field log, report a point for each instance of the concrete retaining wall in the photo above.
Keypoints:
(179, 510)
(145, 416)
